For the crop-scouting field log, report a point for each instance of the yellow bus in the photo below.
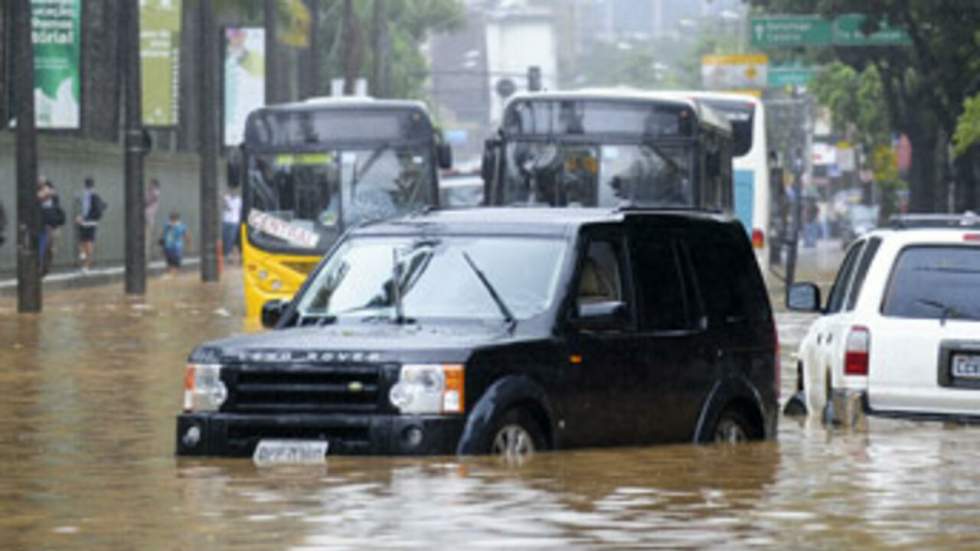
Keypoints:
(312, 169)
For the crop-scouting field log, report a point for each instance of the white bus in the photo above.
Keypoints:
(749, 163)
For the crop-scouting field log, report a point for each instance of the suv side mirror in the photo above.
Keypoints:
(272, 312)
(594, 316)
(444, 153)
(803, 297)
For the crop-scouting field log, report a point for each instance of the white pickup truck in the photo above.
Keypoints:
(899, 334)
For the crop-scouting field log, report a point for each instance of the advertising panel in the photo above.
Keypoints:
(244, 79)
(160, 61)
(56, 36)
(734, 72)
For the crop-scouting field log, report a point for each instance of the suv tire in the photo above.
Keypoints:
(733, 427)
(515, 434)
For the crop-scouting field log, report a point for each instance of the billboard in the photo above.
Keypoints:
(160, 61)
(244, 79)
(56, 37)
(734, 72)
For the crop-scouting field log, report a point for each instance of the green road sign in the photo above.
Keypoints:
(847, 32)
(785, 30)
(790, 75)
(811, 30)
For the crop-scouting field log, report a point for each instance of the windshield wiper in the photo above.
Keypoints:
(368, 164)
(508, 315)
(946, 310)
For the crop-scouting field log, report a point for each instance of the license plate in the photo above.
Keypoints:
(966, 366)
(293, 452)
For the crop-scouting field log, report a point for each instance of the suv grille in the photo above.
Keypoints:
(291, 388)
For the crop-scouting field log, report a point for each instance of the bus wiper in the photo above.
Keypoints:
(508, 315)
(946, 310)
(368, 164)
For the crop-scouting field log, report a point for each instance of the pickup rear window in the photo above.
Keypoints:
(934, 282)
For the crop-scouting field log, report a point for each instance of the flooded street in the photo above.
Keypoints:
(87, 439)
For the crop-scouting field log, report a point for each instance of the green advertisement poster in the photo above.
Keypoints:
(56, 36)
(160, 61)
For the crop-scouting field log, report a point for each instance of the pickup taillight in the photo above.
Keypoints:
(857, 351)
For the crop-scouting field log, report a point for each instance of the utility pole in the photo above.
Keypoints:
(272, 82)
(208, 146)
(28, 213)
(349, 48)
(379, 43)
(134, 150)
(313, 83)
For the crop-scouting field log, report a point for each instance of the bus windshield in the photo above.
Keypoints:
(605, 175)
(305, 200)
(598, 152)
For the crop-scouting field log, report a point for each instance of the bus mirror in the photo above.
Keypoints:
(233, 168)
(445, 154)
(489, 159)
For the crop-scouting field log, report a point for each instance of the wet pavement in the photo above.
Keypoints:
(86, 445)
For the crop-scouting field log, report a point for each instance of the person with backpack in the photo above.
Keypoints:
(175, 238)
(52, 218)
(91, 207)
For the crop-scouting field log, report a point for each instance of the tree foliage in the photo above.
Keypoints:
(967, 132)
(923, 85)
(856, 101)
(409, 23)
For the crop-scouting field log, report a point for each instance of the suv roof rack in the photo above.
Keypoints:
(968, 219)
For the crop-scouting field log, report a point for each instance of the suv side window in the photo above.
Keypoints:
(600, 279)
(662, 296)
(862, 271)
(731, 287)
(837, 292)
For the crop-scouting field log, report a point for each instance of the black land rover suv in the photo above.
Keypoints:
(501, 331)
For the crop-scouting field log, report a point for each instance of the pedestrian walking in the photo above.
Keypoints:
(230, 219)
(152, 204)
(174, 239)
(90, 210)
(52, 218)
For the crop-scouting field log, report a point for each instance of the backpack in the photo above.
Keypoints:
(54, 215)
(97, 207)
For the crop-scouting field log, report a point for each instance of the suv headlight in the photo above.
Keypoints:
(425, 388)
(203, 389)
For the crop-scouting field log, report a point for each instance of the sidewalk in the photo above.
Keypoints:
(75, 279)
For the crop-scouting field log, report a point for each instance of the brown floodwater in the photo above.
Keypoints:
(91, 387)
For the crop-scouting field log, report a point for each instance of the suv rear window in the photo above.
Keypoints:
(729, 281)
(934, 282)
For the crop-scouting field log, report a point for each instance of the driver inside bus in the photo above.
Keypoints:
(579, 178)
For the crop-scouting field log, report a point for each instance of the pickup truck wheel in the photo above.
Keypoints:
(732, 427)
(516, 434)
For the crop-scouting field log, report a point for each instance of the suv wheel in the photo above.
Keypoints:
(732, 428)
(516, 434)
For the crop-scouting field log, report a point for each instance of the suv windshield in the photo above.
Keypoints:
(607, 175)
(935, 283)
(314, 193)
(436, 278)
